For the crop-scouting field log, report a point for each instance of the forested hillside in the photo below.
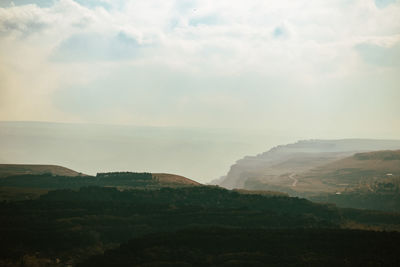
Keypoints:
(71, 225)
(249, 247)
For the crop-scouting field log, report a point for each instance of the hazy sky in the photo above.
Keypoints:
(319, 68)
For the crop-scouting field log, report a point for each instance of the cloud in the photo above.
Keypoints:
(23, 20)
(216, 63)
(380, 55)
(97, 47)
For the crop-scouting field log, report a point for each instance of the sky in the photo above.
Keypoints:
(324, 69)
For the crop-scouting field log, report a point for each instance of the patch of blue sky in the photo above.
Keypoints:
(94, 3)
(40, 3)
(47, 3)
(380, 56)
(96, 47)
(173, 23)
(204, 20)
(384, 3)
(185, 6)
(278, 32)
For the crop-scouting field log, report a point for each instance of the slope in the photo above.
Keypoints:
(21, 169)
(361, 170)
(279, 166)
(173, 179)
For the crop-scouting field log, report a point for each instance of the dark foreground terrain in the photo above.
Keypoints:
(256, 247)
(68, 221)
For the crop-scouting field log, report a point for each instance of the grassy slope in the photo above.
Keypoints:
(20, 169)
(167, 178)
(350, 172)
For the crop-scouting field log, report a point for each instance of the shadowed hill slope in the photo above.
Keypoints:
(244, 247)
(30, 186)
(74, 224)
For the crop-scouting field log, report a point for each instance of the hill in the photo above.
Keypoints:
(75, 224)
(279, 166)
(22, 169)
(361, 170)
(365, 180)
(173, 179)
(30, 186)
(369, 180)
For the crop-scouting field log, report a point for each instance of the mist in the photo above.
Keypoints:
(201, 154)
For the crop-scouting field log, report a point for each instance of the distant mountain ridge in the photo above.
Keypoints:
(280, 162)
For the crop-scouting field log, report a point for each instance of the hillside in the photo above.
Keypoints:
(278, 168)
(362, 170)
(365, 180)
(355, 172)
(31, 186)
(173, 179)
(260, 247)
(72, 225)
(369, 180)
(22, 169)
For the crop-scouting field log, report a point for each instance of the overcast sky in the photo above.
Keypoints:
(320, 68)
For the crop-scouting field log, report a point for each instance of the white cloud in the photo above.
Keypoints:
(232, 53)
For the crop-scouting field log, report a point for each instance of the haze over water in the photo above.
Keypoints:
(201, 154)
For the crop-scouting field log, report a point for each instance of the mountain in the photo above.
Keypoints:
(278, 168)
(22, 169)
